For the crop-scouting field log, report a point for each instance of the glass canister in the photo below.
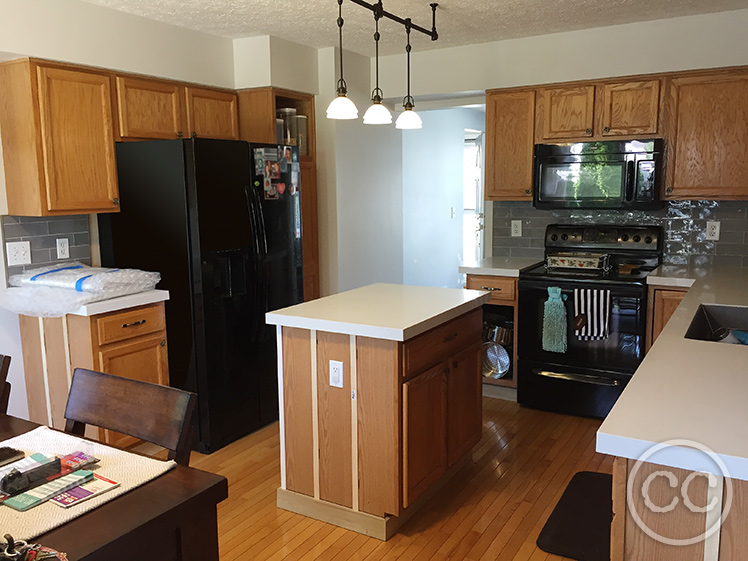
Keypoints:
(301, 134)
(279, 130)
(288, 114)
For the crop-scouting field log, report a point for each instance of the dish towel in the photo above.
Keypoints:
(554, 322)
(591, 314)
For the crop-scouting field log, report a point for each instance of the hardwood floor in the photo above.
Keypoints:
(493, 509)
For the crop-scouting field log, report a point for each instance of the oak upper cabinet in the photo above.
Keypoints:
(211, 113)
(510, 123)
(58, 139)
(629, 108)
(599, 111)
(567, 112)
(424, 425)
(149, 108)
(708, 136)
(464, 394)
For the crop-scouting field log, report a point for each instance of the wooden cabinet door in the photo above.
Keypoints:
(257, 115)
(143, 358)
(510, 124)
(630, 108)
(309, 230)
(708, 135)
(568, 112)
(149, 108)
(665, 303)
(211, 113)
(424, 427)
(464, 403)
(77, 140)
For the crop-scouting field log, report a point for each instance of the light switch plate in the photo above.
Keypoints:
(336, 374)
(18, 253)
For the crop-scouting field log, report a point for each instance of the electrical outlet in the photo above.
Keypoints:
(336, 374)
(63, 248)
(516, 228)
(712, 231)
(18, 253)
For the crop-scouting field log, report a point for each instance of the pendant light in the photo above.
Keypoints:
(377, 114)
(408, 119)
(341, 107)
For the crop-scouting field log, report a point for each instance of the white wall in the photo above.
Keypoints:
(270, 61)
(657, 46)
(73, 31)
(252, 62)
(432, 186)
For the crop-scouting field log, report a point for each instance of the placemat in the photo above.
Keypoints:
(130, 470)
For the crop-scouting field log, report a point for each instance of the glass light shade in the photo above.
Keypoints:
(408, 119)
(377, 114)
(342, 108)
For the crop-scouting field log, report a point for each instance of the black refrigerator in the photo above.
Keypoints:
(221, 221)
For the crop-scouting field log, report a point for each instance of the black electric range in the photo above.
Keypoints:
(584, 371)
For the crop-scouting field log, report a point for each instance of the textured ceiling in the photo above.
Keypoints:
(459, 22)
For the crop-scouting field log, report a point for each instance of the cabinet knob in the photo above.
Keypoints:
(115, 201)
(606, 129)
(528, 192)
(163, 342)
(179, 134)
(588, 131)
(669, 190)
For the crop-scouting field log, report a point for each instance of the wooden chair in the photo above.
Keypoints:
(5, 391)
(159, 414)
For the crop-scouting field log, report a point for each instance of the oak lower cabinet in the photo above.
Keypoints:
(365, 449)
(58, 139)
(661, 305)
(129, 343)
(708, 136)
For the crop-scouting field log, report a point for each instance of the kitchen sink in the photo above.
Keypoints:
(714, 322)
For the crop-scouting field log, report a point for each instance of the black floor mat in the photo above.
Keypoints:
(579, 526)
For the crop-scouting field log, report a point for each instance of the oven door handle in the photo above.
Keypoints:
(584, 378)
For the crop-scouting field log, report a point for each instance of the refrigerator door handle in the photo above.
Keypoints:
(261, 218)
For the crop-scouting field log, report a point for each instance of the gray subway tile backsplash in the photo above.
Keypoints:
(683, 224)
(43, 233)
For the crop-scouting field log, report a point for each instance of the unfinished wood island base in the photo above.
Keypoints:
(380, 401)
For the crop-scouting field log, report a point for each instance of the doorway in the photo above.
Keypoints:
(473, 214)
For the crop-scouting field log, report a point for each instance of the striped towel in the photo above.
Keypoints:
(591, 313)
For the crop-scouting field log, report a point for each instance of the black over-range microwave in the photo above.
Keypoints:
(623, 174)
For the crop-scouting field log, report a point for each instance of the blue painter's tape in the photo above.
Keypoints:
(79, 283)
(55, 271)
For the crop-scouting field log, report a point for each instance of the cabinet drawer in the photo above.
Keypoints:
(131, 323)
(441, 342)
(502, 289)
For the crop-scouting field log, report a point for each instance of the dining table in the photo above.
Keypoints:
(173, 516)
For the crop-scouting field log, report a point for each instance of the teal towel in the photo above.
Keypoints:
(554, 322)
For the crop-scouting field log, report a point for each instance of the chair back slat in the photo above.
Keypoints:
(159, 414)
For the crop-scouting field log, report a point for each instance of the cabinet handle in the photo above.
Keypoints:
(605, 129)
(527, 192)
(491, 288)
(588, 131)
(449, 338)
(133, 324)
(163, 342)
(115, 201)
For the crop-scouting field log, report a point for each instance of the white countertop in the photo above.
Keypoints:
(687, 389)
(499, 266)
(122, 302)
(676, 276)
(383, 311)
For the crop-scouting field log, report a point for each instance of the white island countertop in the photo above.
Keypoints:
(384, 311)
(687, 389)
(499, 266)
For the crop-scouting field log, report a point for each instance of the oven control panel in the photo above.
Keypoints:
(616, 237)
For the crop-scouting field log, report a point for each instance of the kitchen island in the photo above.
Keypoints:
(688, 390)
(380, 401)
